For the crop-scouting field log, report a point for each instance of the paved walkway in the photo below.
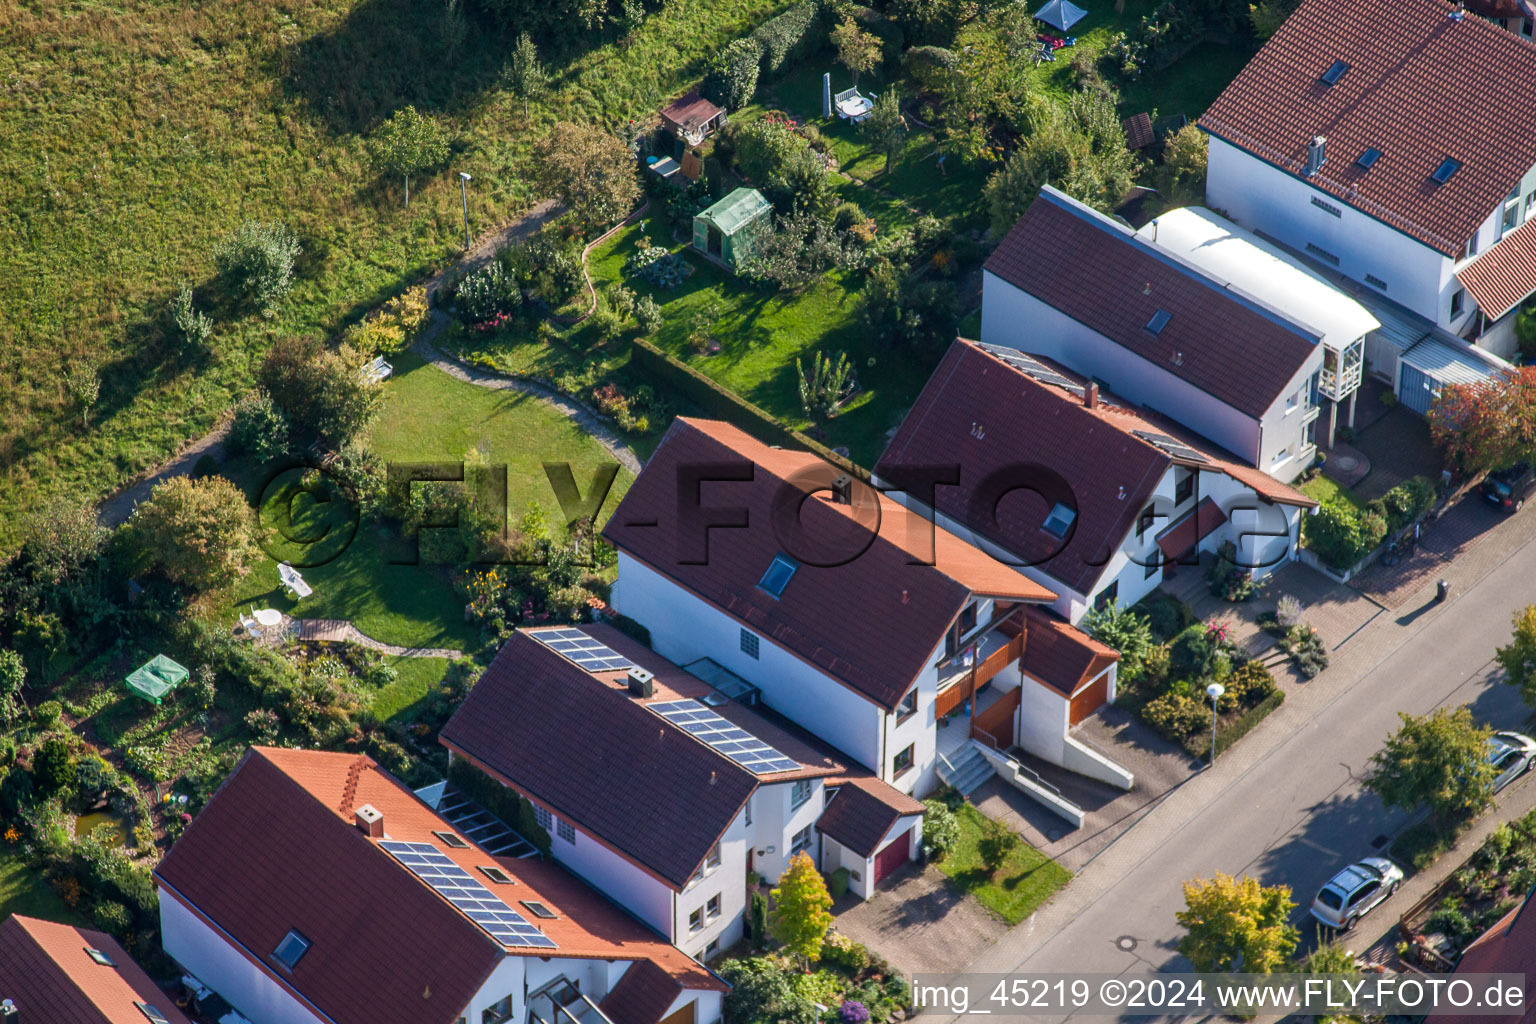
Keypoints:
(340, 631)
(1443, 541)
(917, 920)
(114, 511)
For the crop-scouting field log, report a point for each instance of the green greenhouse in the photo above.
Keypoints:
(730, 228)
(156, 678)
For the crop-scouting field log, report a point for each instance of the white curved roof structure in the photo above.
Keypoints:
(1262, 272)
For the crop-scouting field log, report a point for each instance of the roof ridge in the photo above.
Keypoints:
(349, 788)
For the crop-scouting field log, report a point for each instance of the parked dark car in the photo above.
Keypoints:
(1508, 488)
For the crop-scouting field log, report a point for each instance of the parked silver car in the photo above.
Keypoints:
(1511, 754)
(1351, 893)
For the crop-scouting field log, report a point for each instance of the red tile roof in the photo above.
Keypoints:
(641, 996)
(598, 757)
(1504, 276)
(1100, 274)
(1509, 947)
(1191, 529)
(863, 813)
(1138, 131)
(276, 849)
(45, 971)
(1420, 87)
(1059, 654)
(1105, 471)
(871, 621)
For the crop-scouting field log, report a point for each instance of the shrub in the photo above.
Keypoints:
(257, 260)
(757, 917)
(1167, 615)
(648, 315)
(200, 532)
(1176, 715)
(263, 725)
(92, 778)
(1288, 611)
(659, 266)
(941, 829)
(1451, 921)
(1407, 501)
(845, 215)
(852, 1012)
(111, 917)
(732, 76)
(319, 390)
(786, 38)
(1307, 647)
(192, 328)
(259, 428)
(1340, 535)
(996, 843)
(487, 291)
(53, 766)
(1125, 631)
(47, 714)
(1228, 580)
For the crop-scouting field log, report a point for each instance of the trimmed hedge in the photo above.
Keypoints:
(790, 36)
(1234, 729)
(724, 404)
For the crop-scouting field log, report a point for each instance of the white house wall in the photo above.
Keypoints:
(205, 953)
(644, 895)
(775, 822)
(1042, 721)
(861, 870)
(1012, 317)
(729, 882)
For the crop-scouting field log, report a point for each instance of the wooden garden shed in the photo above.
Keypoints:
(729, 229)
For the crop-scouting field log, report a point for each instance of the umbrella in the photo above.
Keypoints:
(1061, 14)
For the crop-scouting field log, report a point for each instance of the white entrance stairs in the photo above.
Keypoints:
(976, 762)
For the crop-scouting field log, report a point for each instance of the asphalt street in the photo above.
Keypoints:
(1286, 804)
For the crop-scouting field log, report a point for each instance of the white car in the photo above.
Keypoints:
(1351, 893)
(1511, 754)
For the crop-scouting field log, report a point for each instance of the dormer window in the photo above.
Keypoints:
(1060, 520)
(291, 950)
(780, 571)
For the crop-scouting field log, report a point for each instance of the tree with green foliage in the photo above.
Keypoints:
(200, 532)
(1124, 629)
(410, 142)
(800, 249)
(525, 76)
(1236, 924)
(885, 128)
(1438, 761)
(588, 169)
(259, 428)
(319, 390)
(857, 50)
(802, 909)
(1518, 657)
(997, 842)
(1180, 175)
(829, 382)
(1489, 424)
(1080, 151)
(257, 259)
(62, 535)
(83, 382)
(941, 829)
(1267, 16)
(193, 328)
(1337, 961)
(53, 766)
(13, 676)
(804, 185)
(731, 80)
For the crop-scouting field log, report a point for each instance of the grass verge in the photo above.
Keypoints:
(23, 891)
(1025, 881)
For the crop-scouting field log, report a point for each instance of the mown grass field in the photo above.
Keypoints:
(134, 134)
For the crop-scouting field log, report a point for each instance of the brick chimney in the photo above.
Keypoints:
(1091, 395)
(370, 821)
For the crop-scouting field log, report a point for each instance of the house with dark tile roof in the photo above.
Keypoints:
(315, 887)
(55, 972)
(662, 786)
(1143, 497)
(854, 617)
(1509, 947)
(1088, 292)
(1395, 150)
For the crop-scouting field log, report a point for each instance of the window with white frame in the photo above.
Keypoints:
(543, 817)
(713, 860)
(905, 760)
(908, 706)
(749, 643)
(799, 793)
(801, 841)
(696, 919)
(712, 907)
(1458, 302)
(712, 948)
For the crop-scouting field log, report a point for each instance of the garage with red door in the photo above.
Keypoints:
(893, 856)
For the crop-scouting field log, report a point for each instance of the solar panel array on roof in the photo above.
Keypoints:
(1169, 446)
(1029, 366)
(731, 740)
(474, 900)
(590, 654)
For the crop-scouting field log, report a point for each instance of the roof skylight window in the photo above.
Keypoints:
(292, 949)
(1335, 71)
(1159, 321)
(1060, 520)
(1369, 157)
(1448, 166)
(780, 571)
(100, 957)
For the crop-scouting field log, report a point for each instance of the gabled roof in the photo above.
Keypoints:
(276, 849)
(1060, 655)
(871, 621)
(863, 812)
(1421, 86)
(641, 996)
(1505, 275)
(1509, 947)
(45, 971)
(1108, 473)
(1099, 273)
(691, 111)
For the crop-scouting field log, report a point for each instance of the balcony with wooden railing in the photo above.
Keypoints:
(978, 661)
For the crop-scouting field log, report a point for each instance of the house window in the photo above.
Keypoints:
(1153, 564)
(543, 817)
(1511, 216)
(968, 618)
(1458, 302)
(1060, 520)
(497, 1012)
(748, 810)
(749, 643)
(780, 571)
(567, 831)
(696, 919)
(292, 949)
(1471, 249)
(1108, 595)
(1328, 208)
(1375, 282)
(1183, 485)
(712, 908)
(1282, 455)
(100, 957)
(713, 860)
(908, 706)
(1322, 254)
(799, 793)
(801, 842)
(903, 762)
(1145, 521)
(711, 949)
(152, 1013)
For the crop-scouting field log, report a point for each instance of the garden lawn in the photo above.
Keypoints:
(1323, 488)
(1026, 880)
(140, 132)
(399, 701)
(761, 333)
(428, 416)
(23, 891)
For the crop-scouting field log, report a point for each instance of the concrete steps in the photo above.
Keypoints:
(967, 770)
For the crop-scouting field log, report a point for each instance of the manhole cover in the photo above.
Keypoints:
(1126, 943)
(1348, 463)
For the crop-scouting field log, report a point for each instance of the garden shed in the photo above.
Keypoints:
(729, 229)
(156, 678)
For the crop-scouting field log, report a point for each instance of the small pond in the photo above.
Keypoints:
(86, 822)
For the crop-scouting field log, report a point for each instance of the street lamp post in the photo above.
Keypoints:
(1214, 691)
(464, 191)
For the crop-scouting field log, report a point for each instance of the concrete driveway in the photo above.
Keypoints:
(917, 918)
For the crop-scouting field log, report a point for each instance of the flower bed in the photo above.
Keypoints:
(1484, 889)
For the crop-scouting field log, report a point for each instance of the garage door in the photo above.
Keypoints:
(1090, 699)
(893, 856)
(683, 1016)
